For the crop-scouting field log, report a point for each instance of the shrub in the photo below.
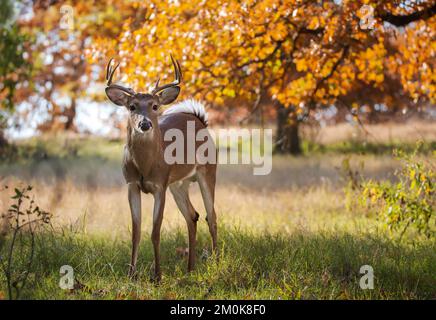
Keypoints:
(17, 239)
(408, 201)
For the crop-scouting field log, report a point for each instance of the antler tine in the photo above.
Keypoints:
(108, 68)
(176, 68)
(157, 83)
(177, 76)
(110, 72)
(180, 71)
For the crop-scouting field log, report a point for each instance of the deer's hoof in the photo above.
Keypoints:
(133, 274)
(156, 278)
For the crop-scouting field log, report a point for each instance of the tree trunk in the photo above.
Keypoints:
(6, 149)
(3, 141)
(70, 113)
(288, 138)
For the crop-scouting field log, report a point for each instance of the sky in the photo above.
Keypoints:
(93, 117)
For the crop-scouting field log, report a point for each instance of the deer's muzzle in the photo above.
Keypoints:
(145, 125)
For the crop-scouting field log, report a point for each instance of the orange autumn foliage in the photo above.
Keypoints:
(299, 53)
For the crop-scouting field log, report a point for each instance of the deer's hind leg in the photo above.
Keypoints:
(180, 192)
(206, 177)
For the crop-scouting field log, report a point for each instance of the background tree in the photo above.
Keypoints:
(13, 67)
(297, 56)
(301, 55)
(62, 76)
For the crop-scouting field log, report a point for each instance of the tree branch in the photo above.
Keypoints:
(276, 48)
(332, 71)
(403, 20)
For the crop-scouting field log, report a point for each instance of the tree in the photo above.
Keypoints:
(13, 67)
(300, 55)
(303, 55)
(61, 75)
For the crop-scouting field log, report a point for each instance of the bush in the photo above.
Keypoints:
(408, 201)
(18, 226)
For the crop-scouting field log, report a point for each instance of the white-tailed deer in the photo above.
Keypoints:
(145, 168)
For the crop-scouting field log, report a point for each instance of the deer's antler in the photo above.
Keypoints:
(109, 75)
(177, 76)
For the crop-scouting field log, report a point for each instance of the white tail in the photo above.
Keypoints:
(189, 106)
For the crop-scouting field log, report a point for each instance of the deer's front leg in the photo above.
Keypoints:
(159, 204)
(134, 195)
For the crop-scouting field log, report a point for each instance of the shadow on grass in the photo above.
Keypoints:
(298, 266)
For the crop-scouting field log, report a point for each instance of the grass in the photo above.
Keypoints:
(303, 265)
(287, 235)
(358, 147)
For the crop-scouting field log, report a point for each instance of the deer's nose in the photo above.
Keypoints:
(145, 125)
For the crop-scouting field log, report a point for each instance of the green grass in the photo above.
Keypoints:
(62, 148)
(361, 147)
(322, 265)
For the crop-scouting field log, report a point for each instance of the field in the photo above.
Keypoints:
(287, 235)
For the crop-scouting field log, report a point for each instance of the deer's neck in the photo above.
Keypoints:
(145, 149)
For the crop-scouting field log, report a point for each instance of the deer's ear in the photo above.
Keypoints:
(117, 96)
(169, 95)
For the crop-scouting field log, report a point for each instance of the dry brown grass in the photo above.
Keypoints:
(88, 190)
(390, 132)
(300, 193)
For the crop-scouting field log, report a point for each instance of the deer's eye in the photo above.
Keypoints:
(132, 107)
(155, 107)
